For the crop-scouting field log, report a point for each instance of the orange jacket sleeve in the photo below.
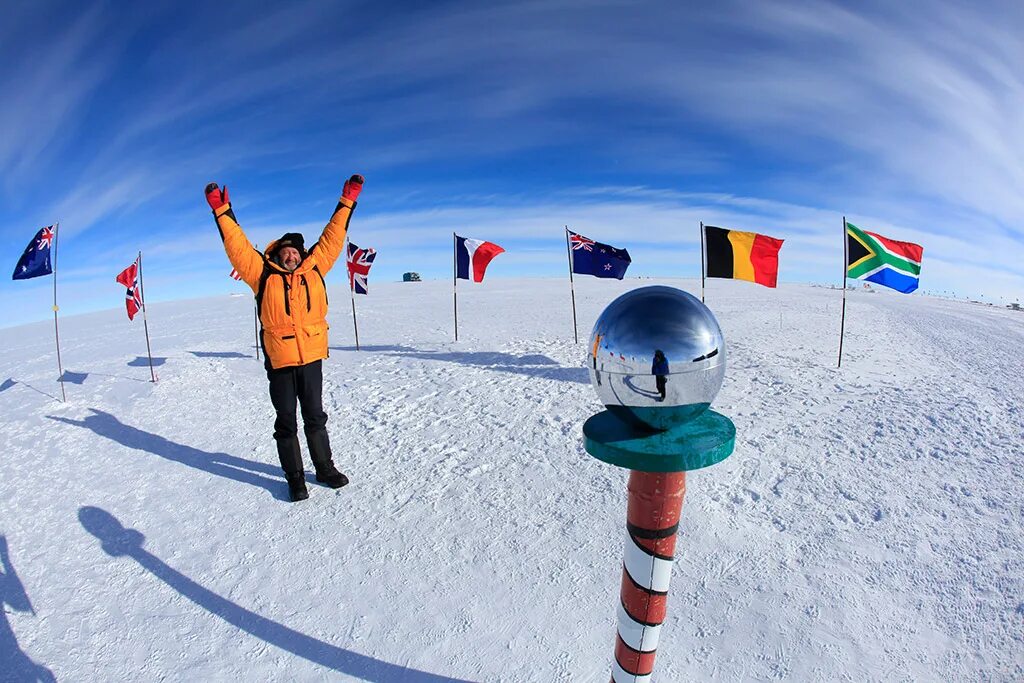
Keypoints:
(328, 248)
(243, 256)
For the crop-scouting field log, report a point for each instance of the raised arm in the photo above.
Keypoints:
(328, 248)
(243, 256)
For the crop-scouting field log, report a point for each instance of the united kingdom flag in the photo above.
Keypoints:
(129, 277)
(359, 262)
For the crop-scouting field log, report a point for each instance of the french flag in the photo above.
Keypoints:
(473, 256)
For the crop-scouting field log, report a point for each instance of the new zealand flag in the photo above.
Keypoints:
(36, 259)
(600, 260)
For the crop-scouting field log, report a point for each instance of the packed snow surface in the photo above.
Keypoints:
(867, 527)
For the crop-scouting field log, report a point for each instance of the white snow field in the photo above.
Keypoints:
(867, 527)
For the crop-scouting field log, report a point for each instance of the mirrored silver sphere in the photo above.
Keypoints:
(656, 357)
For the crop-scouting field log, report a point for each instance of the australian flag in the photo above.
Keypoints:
(36, 259)
(359, 262)
(600, 260)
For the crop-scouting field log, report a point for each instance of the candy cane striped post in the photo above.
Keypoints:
(658, 463)
(652, 520)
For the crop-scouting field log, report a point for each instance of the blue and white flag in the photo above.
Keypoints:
(600, 260)
(36, 259)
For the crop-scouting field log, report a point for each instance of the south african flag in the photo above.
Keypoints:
(881, 260)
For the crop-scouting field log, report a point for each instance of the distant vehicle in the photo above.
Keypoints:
(410, 277)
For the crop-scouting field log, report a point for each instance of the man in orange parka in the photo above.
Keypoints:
(291, 296)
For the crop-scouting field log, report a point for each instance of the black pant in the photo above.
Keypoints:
(659, 381)
(303, 383)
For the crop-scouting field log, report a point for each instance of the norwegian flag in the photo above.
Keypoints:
(359, 262)
(129, 277)
(234, 275)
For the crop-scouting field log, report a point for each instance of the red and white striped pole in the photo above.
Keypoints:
(652, 520)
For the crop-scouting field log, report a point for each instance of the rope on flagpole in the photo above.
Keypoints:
(572, 288)
(145, 321)
(56, 327)
(842, 319)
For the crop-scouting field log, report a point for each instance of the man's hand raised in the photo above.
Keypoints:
(352, 188)
(216, 196)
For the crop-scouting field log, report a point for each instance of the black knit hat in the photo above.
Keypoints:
(291, 239)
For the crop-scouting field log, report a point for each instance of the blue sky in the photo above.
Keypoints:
(628, 121)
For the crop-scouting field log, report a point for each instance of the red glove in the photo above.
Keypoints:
(352, 188)
(216, 196)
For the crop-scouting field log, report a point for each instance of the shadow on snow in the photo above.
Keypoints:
(117, 541)
(17, 665)
(534, 365)
(231, 467)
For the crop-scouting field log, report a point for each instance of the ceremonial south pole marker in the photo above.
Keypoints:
(657, 360)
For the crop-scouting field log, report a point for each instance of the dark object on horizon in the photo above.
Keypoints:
(410, 277)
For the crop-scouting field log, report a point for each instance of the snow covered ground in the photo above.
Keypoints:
(867, 527)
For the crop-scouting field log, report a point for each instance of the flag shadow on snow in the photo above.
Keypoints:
(117, 541)
(143, 362)
(232, 467)
(534, 365)
(8, 383)
(17, 665)
(370, 349)
(218, 354)
(74, 377)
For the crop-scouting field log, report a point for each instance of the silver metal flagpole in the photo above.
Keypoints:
(256, 316)
(56, 327)
(455, 281)
(703, 258)
(842, 319)
(572, 287)
(145, 322)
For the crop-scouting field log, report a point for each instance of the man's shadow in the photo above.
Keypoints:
(117, 541)
(231, 467)
(533, 365)
(16, 665)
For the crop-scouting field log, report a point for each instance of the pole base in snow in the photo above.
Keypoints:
(657, 483)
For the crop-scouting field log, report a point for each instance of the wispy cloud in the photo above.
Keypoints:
(513, 118)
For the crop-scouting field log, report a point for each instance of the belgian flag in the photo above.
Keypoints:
(742, 255)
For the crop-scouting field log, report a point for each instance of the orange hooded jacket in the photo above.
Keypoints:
(292, 306)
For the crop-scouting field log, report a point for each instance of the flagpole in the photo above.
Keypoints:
(145, 322)
(572, 288)
(256, 317)
(56, 327)
(455, 282)
(352, 293)
(702, 261)
(842, 319)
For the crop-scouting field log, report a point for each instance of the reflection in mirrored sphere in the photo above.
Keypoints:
(656, 357)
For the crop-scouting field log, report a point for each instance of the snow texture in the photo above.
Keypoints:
(867, 527)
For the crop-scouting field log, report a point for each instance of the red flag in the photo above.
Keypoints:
(234, 275)
(129, 277)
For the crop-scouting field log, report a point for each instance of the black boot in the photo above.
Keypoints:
(332, 477)
(297, 486)
(320, 452)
